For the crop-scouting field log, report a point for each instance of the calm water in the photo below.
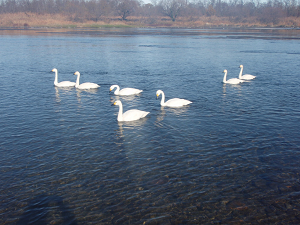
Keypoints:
(231, 157)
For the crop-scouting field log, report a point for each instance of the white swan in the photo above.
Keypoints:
(124, 91)
(130, 115)
(63, 83)
(232, 80)
(86, 85)
(174, 102)
(246, 76)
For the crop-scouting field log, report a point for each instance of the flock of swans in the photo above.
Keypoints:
(135, 114)
(239, 80)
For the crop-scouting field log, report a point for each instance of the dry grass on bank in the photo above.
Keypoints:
(32, 20)
(26, 20)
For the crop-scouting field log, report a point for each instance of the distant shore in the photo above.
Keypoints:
(32, 20)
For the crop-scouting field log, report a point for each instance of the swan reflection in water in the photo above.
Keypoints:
(161, 115)
(131, 126)
(171, 111)
(63, 89)
(126, 98)
(57, 95)
(79, 91)
(232, 87)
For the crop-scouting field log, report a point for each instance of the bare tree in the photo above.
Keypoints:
(126, 8)
(172, 8)
(94, 9)
(267, 12)
(210, 11)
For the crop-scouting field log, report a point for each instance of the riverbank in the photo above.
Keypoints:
(32, 20)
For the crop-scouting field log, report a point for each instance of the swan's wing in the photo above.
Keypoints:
(66, 84)
(129, 91)
(234, 81)
(248, 77)
(88, 85)
(177, 102)
(134, 114)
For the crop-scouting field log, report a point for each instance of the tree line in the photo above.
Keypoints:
(270, 11)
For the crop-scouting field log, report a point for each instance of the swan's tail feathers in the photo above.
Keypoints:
(146, 113)
(187, 102)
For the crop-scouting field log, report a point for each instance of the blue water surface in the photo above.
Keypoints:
(231, 157)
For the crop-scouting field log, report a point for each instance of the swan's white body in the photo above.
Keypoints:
(63, 83)
(174, 102)
(232, 80)
(246, 76)
(86, 85)
(130, 115)
(125, 91)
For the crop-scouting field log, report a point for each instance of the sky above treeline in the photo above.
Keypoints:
(150, 1)
(147, 1)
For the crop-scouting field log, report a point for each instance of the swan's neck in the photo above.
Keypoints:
(77, 80)
(118, 90)
(162, 101)
(120, 114)
(224, 79)
(56, 78)
(241, 73)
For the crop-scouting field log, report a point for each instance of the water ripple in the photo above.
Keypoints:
(230, 157)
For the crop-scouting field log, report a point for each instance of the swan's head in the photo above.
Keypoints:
(118, 102)
(54, 70)
(112, 87)
(225, 71)
(241, 66)
(158, 93)
(77, 73)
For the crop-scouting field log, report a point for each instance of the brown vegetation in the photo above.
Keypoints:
(27, 20)
(162, 13)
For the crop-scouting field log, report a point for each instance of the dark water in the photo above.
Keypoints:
(231, 157)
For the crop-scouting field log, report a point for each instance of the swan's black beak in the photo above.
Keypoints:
(156, 97)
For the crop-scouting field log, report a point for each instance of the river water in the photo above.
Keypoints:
(231, 157)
